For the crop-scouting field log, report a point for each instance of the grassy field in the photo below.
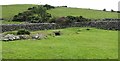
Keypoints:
(0, 50)
(88, 13)
(92, 44)
(10, 22)
(8, 11)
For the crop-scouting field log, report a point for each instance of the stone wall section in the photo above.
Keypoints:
(108, 25)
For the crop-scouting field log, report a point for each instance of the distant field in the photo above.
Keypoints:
(10, 22)
(92, 44)
(8, 11)
(88, 13)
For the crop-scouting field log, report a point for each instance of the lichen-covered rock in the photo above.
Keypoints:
(8, 37)
(39, 36)
(17, 38)
(5, 39)
(24, 36)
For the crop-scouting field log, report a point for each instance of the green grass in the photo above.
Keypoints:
(10, 22)
(0, 50)
(88, 13)
(8, 11)
(92, 44)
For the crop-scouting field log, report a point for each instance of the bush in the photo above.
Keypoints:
(57, 33)
(118, 11)
(48, 6)
(112, 10)
(78, 30)
(104, 9)
(23, 32)
(52, 20)
(30, 8)
(87, 29)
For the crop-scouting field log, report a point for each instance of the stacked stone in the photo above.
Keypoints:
(112, 24)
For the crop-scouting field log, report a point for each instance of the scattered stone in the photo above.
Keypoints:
(17, 37)
(24, 36)
(5, 39)
(39, 36)
(10, 37)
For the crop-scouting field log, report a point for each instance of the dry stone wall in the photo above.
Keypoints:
(108, 25)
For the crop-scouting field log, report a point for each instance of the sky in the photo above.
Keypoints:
(92, 4)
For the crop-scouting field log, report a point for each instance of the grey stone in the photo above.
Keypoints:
(8, 37)
(39, 36)
(17, 37)
(24, 36)
(102, 24)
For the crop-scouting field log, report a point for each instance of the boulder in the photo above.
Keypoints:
(8, 37)
(39, 36)
(17, 38)
(23, 37)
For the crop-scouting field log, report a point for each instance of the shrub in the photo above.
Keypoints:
(52, 20)
(48, 6)
(118, 11)
(38, 14)
(30, 8)
(63, 6)
(57, 33)
(112, 10)
(87, 29)
(23, 32)
(78, 30)
(71, 18)
(104, 9)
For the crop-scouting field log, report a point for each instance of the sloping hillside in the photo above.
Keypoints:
(88, 13)
(8, 11)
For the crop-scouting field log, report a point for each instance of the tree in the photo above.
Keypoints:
(29, 8)
(48, 6)
(118, 11)
(112, 10)
(71, 19)
(34, 14)
(104, 9)
(22, 16)
(81, 19)
(42, 14)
